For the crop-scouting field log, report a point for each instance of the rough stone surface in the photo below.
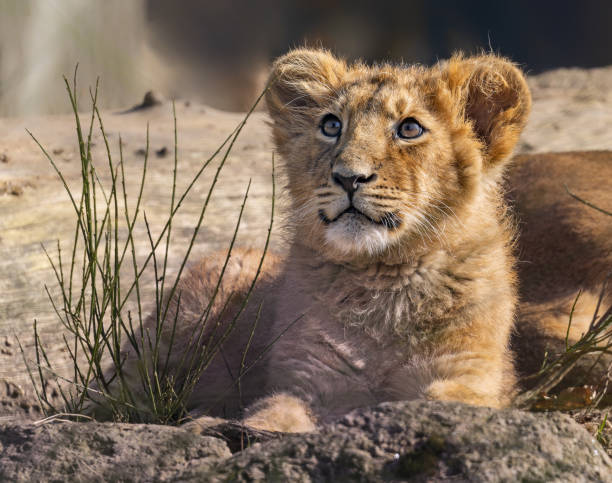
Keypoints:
(429, 441)
(65, 451)
(416, 441)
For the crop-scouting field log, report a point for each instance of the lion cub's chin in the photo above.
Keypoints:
(352, 235)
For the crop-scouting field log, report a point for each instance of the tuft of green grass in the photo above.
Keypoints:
(599, 434)
(102, 273)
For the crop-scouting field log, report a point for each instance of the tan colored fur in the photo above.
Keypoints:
(369, 311)
(424, 309)
(293, 417)
(563, 246)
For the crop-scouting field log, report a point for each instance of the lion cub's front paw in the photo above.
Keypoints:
(201, 424)
(449, 390)
(281, 412)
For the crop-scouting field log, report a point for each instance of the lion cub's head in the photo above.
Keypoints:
(378, 156)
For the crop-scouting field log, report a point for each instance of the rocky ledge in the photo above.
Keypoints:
(416, 441)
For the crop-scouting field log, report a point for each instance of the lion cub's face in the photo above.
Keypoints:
(378, 164)
(377, 156)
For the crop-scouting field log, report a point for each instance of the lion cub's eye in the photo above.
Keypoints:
(409, 129)
(331, 126)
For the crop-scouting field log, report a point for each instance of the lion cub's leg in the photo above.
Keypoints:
(471, 362)
(281, 412)
(473, 379)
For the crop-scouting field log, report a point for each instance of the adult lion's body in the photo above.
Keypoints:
(399, 282)
(564, 246)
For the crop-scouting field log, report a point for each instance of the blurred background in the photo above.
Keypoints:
(218, 51)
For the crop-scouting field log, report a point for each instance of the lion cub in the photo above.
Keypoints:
(399, 281)
(400, 273)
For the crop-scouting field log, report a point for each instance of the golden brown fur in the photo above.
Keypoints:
(563, 246)
(411, 293)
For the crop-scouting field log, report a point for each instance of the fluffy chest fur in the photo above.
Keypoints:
(377, 332)
(383, 301)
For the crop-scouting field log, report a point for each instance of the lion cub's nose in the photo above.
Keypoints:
(350, 184)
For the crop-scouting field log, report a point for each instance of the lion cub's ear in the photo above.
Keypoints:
(492, 94)
(301, 80)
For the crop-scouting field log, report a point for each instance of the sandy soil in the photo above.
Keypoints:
(572, 111)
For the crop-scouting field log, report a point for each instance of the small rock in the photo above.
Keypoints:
(7, 187)
(57, 151)
(140, 152)
(6, 347)
(16, 190)
(4, 158)
(162, 152)
(151, 98)
(12, 390)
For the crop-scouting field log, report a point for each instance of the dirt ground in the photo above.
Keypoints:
(572, 111)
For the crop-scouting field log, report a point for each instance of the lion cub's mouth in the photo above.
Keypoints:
(388, 220)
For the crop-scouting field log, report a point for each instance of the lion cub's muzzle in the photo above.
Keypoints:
(388, 220)
(351, 184)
